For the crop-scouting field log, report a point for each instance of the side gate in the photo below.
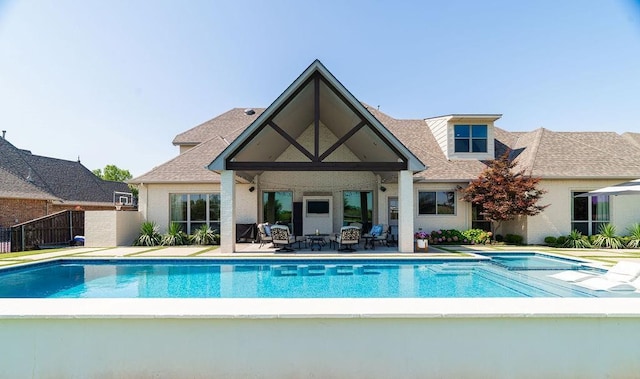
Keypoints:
(55, 230)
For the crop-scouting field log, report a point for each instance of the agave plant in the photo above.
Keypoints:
(204, 236)
(607, 238)
(174, 236)
(634, 236)
(149, 235)
(576, 240)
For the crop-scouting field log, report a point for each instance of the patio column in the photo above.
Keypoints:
(405, 212)
(227, 211)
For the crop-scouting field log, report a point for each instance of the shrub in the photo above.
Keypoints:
(149, 235)
(204, 236)
(561, 241)
(607, 237)
(576, 240)
(499, 238)
(513, 239)
(477, 236)
(447, 236)
(175, 236)
(550, 240)
(634, 236)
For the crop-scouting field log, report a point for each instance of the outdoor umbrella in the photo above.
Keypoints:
(626, 188)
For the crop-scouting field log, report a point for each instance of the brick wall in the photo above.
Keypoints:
(15, 211)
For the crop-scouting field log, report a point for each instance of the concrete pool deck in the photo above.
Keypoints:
(604, 257)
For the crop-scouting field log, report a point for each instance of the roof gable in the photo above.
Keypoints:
(316, 98)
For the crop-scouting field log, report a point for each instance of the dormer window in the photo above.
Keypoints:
(470, 138)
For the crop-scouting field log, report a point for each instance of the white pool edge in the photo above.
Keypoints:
(319, 308)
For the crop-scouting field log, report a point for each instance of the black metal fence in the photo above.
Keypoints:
(56, 230)
(5, 240)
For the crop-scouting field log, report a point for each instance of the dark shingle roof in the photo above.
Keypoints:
(14, 187)
(66, 180)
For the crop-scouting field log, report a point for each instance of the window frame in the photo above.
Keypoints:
(470, 139)
(188, 224)
(437, 206)
(592, 221)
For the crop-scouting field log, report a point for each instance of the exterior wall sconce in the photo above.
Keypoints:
(383, 188)
(252, 188)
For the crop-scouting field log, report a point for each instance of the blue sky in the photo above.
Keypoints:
(114, 81)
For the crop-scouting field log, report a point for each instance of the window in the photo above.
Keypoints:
(478, 220)
(193, 210)
(436, 203)
(470, 138)
(277, 208)
(589, 213)
(358, 207)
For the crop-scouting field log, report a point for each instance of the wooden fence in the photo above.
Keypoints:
(55, 230)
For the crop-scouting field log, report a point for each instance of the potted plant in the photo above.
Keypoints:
(422, 240)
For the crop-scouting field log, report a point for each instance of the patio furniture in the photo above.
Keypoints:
(348, 237)
(316, 241)
(604, 284)
(378, 233)
(623, 271)
(264, 234)
(281, 236)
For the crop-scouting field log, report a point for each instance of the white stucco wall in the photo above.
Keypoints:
(111, 228)
(555, 220)
(319, 338)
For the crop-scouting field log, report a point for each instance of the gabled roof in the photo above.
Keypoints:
(63, 180)
(316, 97)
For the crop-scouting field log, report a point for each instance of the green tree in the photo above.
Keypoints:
(502, 193)
(112, 173)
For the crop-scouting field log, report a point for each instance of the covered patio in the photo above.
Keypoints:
(317, 143)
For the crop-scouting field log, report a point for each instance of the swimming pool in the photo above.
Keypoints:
(504, 275)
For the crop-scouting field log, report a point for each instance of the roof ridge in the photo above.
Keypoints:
(536, 147)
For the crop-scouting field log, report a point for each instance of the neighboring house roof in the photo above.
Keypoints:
(14, 187)
(68, 181)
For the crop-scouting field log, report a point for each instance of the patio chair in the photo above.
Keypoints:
(380, 234)
(264, 234)
(603, 284)
(281, 236)
(348, 237)
(623, 271)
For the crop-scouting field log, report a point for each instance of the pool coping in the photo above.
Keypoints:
(345, 308)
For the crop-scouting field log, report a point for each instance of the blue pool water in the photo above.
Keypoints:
(269, 278)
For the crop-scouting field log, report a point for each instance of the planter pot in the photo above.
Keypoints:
(422, 245)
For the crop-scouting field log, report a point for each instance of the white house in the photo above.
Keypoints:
(317, 158)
